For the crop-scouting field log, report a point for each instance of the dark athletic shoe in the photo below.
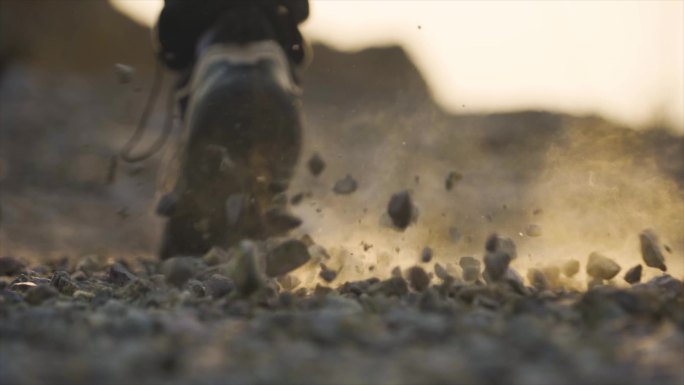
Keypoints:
(242, 141)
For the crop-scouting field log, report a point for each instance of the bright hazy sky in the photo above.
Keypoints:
(622, 59)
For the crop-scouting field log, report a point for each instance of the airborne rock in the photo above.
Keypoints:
(401, 210)
(286, 257)
(633, 275)
(418, 278)
(571, 267)
(601, 267)
(650, 250)
(345, 186)
(316, 164)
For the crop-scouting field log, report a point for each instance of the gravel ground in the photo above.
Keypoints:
(218, 319)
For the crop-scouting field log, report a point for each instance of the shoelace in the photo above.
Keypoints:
(126, 153)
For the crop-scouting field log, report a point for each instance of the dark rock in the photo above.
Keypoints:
(418, 278)
(286, 257)
(345, 186)
(495, 243)
(496, 264)
(633, 275)
(62, 281)
(219, 286)
(601, 267)
(316, 164)
(401, 210)
(426, 255)
(442, 274)
(326, 274)
(280, 220)
(571, 268)
(395, 286)
(10, 266)
(650, 250)
(451, 180)
(119, 274)
(38, 294)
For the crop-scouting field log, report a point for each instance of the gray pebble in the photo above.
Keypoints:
(633, 275)
(316, 164)
(286, 257)
(601, 267)
(418, 278)
(571, 268)
(496, 264)
(400, 210)
(650, 250)
(426, 255)
(345, 186)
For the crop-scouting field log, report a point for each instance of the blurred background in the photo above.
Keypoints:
(563, 115)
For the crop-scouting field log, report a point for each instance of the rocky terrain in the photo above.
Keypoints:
(396, 276)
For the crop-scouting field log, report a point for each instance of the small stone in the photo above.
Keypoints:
(571, 268)
(650, 250)
(195, 287)
(495, 243)
(418, 278)
(286, 257)
(40, 293)
(219, 286)
(633, 275)
(451, 180)
(345, 186)
(316, 164)
(178, 270)
(441, 273)
(496, 264)
(62, 281)
(326, 274)
(297, 199)
(426, 255)
(280, 220)
(396, 272)
(395, 286)
(401, 210)
(601, 267)
(471, 268)
(10, 266)
(119, 274)
(533, 230)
